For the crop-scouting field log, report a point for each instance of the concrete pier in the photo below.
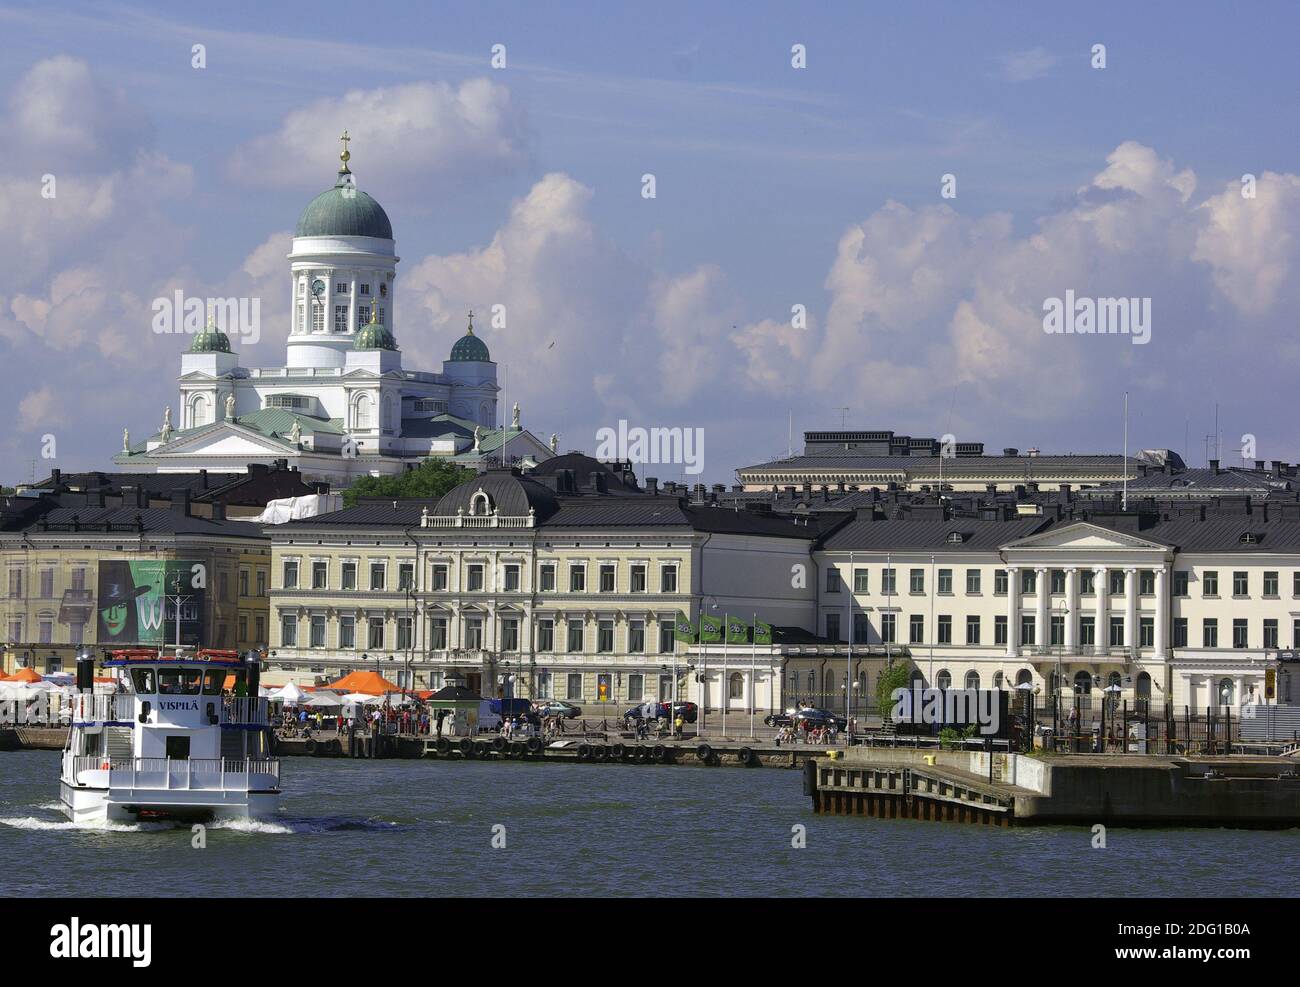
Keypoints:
(1016, 790)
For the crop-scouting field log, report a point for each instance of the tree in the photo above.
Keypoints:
(894, 677)
(428, 481)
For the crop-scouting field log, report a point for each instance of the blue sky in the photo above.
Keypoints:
(775, 186)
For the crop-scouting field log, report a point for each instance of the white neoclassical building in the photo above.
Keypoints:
(342, 405)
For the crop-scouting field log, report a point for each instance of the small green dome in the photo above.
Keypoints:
(469, 348)
(344, 210)
(210, 340)
(374, 336)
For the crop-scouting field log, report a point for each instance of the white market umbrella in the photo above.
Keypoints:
(1025, 686)
(363, 698)
(289, 694)
(323, 700)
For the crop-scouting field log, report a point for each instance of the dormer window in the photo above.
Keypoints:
(365, 289)
(480, 504)
(955, 538)
(1249, 538)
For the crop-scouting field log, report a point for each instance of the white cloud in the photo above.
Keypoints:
(401, 134)
(41, 409)
(1023, 66)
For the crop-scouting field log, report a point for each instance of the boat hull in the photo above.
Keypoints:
(96, 805)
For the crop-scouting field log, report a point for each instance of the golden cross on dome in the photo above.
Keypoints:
(470, 330)
(345, 155)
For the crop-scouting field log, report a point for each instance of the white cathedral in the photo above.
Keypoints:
(342, 406)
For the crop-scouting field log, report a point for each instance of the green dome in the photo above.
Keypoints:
(469, 348)
(374, 336)
(344, 210)
(210, 340)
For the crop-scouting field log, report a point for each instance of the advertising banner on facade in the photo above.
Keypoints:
(137, 602)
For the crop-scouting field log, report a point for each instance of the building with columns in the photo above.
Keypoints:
(342, 405)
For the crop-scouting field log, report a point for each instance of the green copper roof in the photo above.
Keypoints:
(344, 210)
(210, 340)
(374, 335)
(469, 348)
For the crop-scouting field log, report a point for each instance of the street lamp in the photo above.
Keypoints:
(1060, 655)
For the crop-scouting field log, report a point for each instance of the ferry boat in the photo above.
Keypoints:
(174, 741)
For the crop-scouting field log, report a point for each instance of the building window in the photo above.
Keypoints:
(1270, 583)
(888, 628)
(1146, 632)
(736, 686)
(573, 690)
(1117, 578)
(546, 634)
(546, 577)
(289, 631)
(243, 582)
(510, 634)
(944, 679)
(317, 630)
(945, 629)
(1180, 632)
(605, 637)
(832, 627)
(439, 577)
(833, 580)
(1088, 631)
(1000, 630)
(860, 580)
(1240, 585)
(606, 577)
(46, 630)
(668, 579)
(1270, 634)
(260, 622)
(340, 318)
(1058, 581)
(474, 633)
(638, 578)
(319, 575)
(1210, 632)
(861, 628)
(290, 575)
(1000, 582)
(47, 583)
(575, 643)
(973, 679)
(378, 573)
(1239, 632)
(636, 636)
(577, 578)
(635, 687)
(1056, 630)
(1027, 626)
(945, 582)
(438, 633)
(915, 629)
(347, 633)
(406, 576)
(1180, 582)
(474, 578)
(916, 583)
(1209, 584)
(888, 581)
(1146, 582)
(543, 684)
(1116, 632)
(375, 639)
(1088, 583)
(1028, 581)
(972, 581)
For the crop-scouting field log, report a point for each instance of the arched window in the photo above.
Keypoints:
(972, 679)
(998, 681)
(1083, 683)
(480, 504)
(199, 411)
(363, 411)
(944, 679)
(812, 682)
(1144, 686)
(917, 677)
(1227, 692)
(1024, 677)
(1113, 679)
(1054, 682)
(736, 686)
(388, 413)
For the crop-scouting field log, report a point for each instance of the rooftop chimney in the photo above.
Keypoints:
(1214, 466)
(652, 485)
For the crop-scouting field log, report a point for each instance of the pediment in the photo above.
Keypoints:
(221, 439)
(1087, 537)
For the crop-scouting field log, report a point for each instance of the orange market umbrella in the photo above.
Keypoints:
(24, 675)
(371, 683)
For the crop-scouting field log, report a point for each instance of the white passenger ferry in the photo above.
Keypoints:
(184, 736)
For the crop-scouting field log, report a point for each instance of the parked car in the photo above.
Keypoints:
(558, 707)
(689, 712)
(779, 720)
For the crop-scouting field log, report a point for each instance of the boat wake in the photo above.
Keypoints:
(280, 826)
(100, 826)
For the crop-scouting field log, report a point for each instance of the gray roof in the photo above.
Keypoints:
(851, 459)
(152, 519)
(923, 536)
(1203, 482)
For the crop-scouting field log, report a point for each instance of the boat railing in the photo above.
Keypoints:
(172, 774)
(247, 710)
(87, 708)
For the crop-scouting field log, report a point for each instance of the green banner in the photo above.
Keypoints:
(684, 630)
(737, 631)
(710, 629)
(762, 632)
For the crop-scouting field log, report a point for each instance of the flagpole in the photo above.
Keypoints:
(726, 692)
(753, 672)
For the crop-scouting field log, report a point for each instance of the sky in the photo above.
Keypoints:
(802, 264)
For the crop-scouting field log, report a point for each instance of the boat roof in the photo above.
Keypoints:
(155, 656)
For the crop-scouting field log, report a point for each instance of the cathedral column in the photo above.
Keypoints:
(1162, 615)
(352, 304)
(1130, 610)
(1101, 630)
(1042, 628)
(1071, 611)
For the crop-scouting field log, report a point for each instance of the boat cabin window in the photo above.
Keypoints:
(213, 680)
(143, 678)
(178, 748)
(179, 681)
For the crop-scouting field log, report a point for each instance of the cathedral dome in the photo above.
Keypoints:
(469, 348)
(374, 336)
(344, 210)
(210, 340)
